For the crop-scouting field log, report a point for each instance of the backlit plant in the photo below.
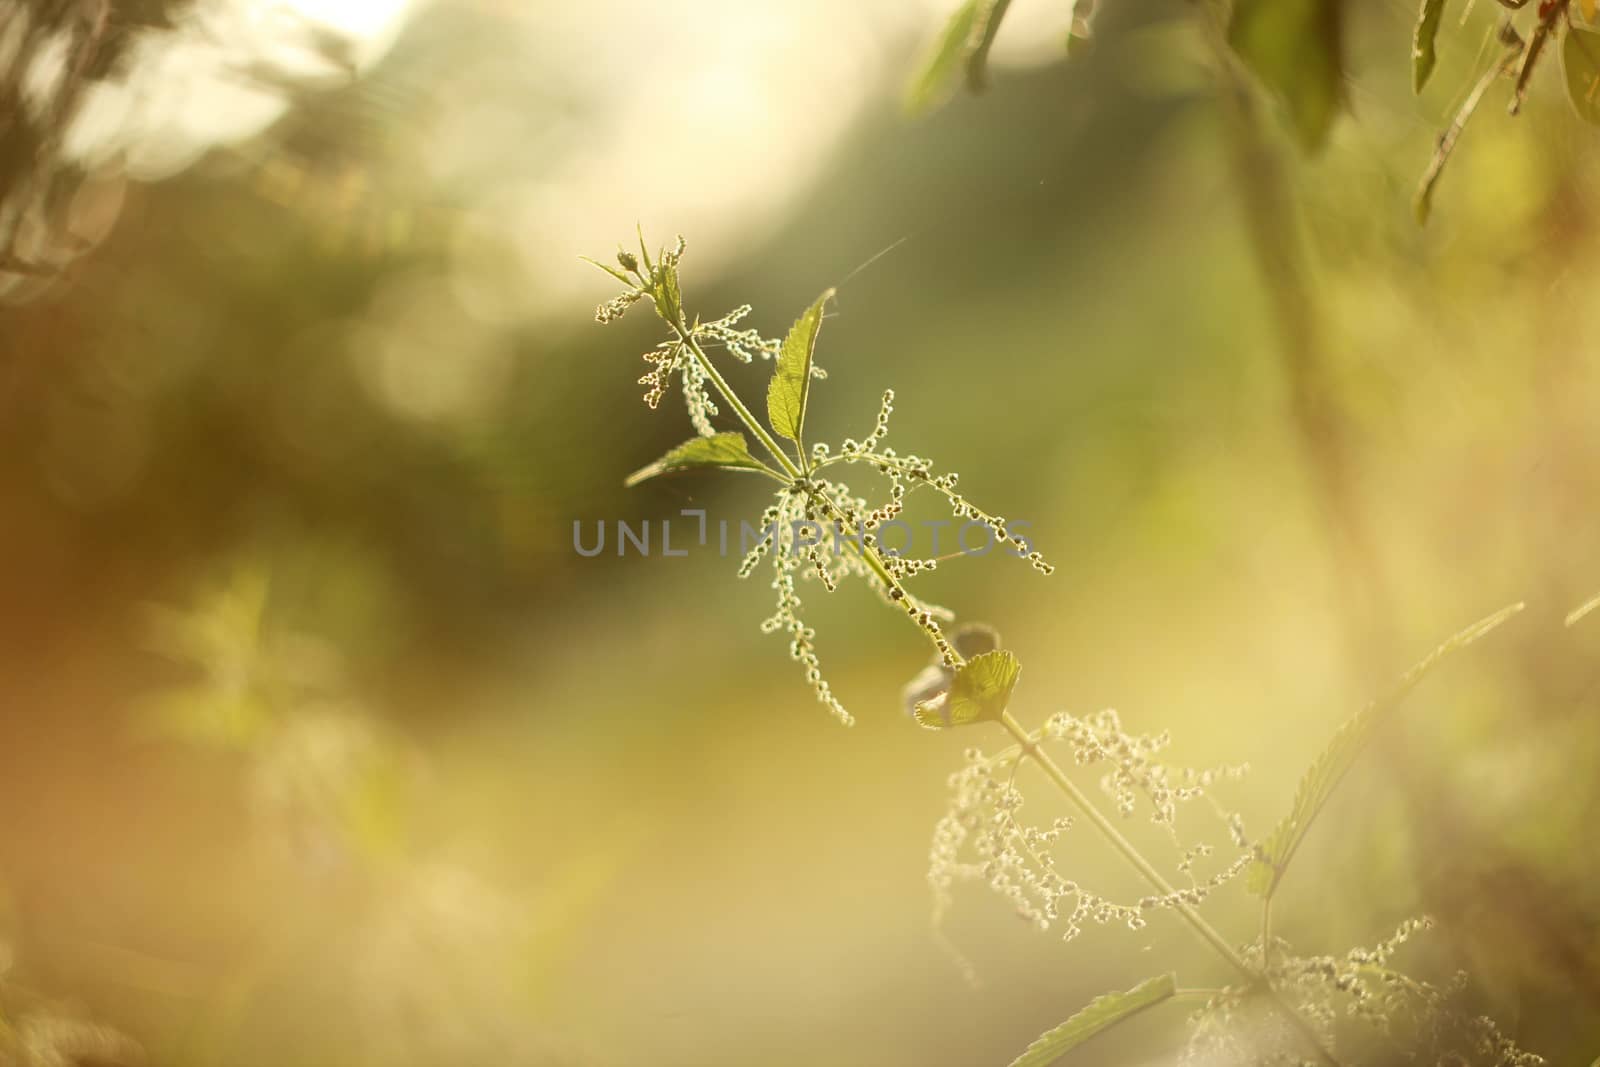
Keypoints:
(1277, 1007)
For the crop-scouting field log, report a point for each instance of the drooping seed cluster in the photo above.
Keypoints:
(790, 553)
(815, 532)
(912, 471)
(1360, 1008)
(980, 838)
(613, 309)
(663, 359)
(743, 345)
(1134, 770)
(697, 398)
(769, 534)
(881, 430)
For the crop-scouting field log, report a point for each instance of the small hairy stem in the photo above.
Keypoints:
(1197, 922)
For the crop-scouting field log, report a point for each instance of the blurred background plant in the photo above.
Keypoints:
(331, 345)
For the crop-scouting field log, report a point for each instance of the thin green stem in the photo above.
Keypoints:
(686, 337)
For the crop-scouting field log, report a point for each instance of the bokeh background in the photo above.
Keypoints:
(319, 743)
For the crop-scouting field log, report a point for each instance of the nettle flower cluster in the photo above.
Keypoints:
(1357, 1000)
(982, 838)
(817, 528)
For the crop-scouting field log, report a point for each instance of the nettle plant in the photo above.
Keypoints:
(1277, 1006)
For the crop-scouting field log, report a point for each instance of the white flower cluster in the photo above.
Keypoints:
(1358, 1006)
(981, 838)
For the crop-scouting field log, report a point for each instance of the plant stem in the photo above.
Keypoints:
(686, 336)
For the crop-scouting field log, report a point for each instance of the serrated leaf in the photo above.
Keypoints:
(1325, 774)
(1580, 68)
(1295, 48)
(1101, 1014)
(726, 450)
(936, 80)
(979, 692)
(930, 714)
(791, 378)
(1423, 56)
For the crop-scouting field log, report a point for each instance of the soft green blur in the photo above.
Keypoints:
(320, 744)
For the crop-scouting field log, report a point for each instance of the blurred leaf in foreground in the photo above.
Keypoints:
(1294, 47)
(1423, 56)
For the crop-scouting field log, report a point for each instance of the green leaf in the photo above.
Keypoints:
(614, 272)
(791, 378)
(1295, 48)
(936, 80)
(726, 450)
(668, 298)
(964, 44)
(979, 692)
(1423, 56)
(1102, 1013)
(1325, 774)
(1580, 66)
